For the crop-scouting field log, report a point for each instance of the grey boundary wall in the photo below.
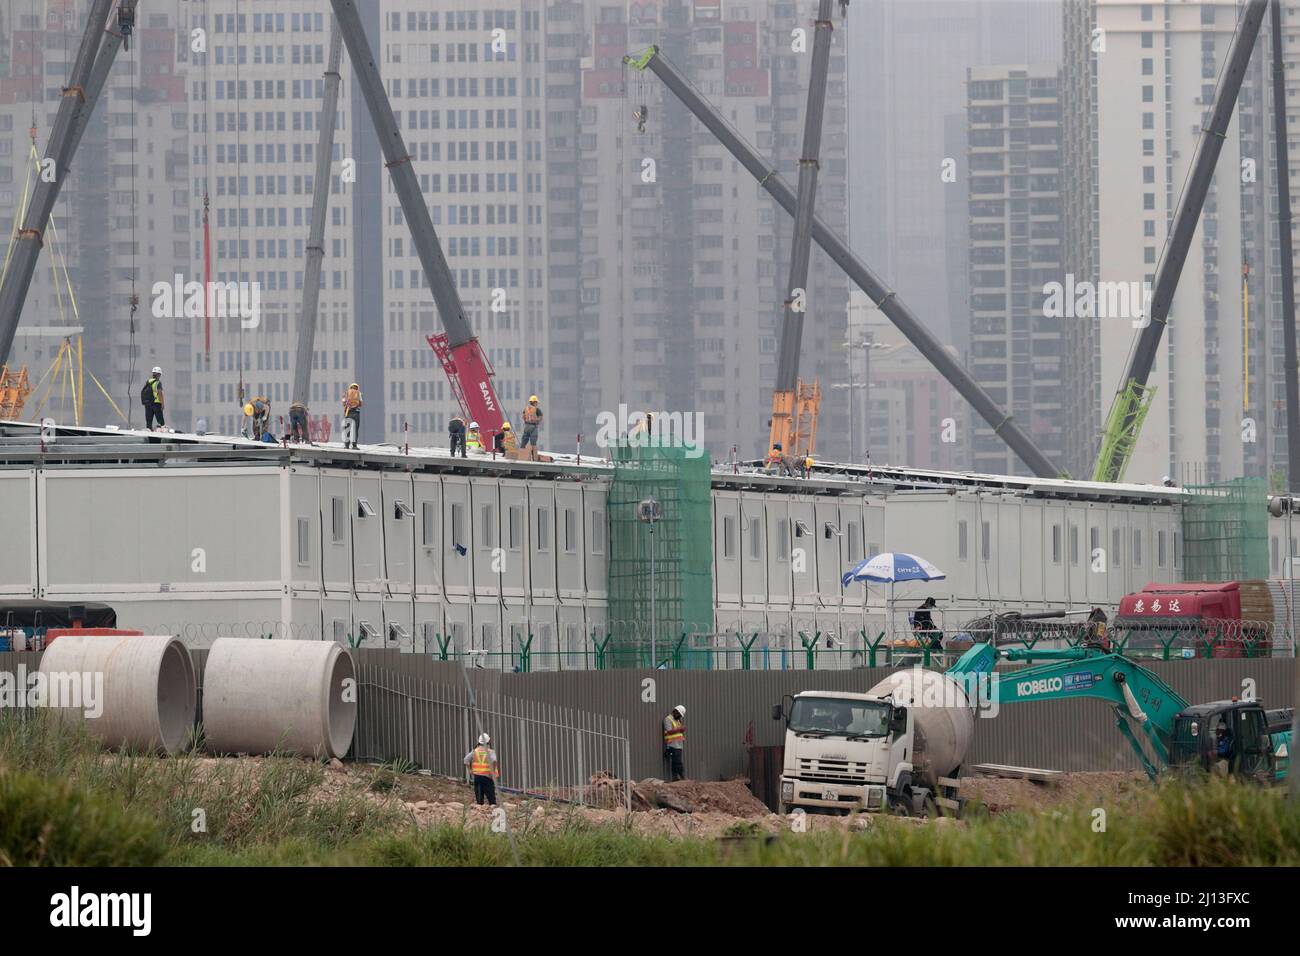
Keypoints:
(727, 711)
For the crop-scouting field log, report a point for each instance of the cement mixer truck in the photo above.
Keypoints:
(900, 746)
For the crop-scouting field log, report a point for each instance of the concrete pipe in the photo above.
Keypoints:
(132, 691)
(261, 696)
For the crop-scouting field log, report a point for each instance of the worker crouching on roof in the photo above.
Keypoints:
(504, 442)
(482, 763)
(352, 415)
(258, 411)
(298, 427)
(456, 432)
(675, 740)
(151, 397)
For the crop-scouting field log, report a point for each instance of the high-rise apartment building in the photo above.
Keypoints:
(1014, 147)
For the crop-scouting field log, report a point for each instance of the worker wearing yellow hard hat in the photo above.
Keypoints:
(505, 440)
(532, 422)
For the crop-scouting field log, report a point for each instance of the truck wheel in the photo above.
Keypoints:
(923, 804)
(901, 805)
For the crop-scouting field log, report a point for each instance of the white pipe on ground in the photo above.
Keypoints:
(262, 696)
(132, 691)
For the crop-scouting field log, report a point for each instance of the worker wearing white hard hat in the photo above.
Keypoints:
(151, 397)
(482, 762)
(675, 741)
(473, 440)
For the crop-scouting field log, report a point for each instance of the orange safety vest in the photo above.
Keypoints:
(774, 457)
(677, 734)
(531, 414)
(482, 765)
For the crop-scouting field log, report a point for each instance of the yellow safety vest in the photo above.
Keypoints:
(482, 765)
(473, 440)
(676, 734)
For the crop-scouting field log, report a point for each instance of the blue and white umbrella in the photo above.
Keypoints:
(891, 567)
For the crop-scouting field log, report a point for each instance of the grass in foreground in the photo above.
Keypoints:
(62, 802)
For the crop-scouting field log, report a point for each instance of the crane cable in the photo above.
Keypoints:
(134, 300)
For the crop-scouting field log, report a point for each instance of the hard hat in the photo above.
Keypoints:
(505, 427)
(473, 424)
(354, 385)
(157, 370)
(484, 739)
(533, 399)
(777, 445)
(680, 709)
(248, 409)
(1165, 479)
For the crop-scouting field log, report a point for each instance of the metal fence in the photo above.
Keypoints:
(545, 750)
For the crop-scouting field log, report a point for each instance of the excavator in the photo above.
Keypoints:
(1235, 736)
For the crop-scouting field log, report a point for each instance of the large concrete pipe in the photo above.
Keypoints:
(132, 691)
(261, 696)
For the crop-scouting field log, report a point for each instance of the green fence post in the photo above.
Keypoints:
(677, 653)
(744, 649)
(872, 646)
(525, 654)
(810, 648)
(443, 643)
(600, 650)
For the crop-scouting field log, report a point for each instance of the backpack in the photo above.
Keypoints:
(146, 393)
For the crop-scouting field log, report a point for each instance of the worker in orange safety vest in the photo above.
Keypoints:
(482, 763)
(675, 740)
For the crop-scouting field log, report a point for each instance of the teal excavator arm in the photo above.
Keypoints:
(1136, 693)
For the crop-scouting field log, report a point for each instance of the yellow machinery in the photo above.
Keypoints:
(794, 419)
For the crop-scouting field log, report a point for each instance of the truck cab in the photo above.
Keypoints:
(1232, 737)
(843, 751)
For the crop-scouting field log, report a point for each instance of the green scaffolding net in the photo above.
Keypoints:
(1225, 531)
(649, 623)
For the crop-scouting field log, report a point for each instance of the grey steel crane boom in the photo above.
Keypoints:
(1133, 398)
(316, 237)
(467, 367)
(794, 408)
(1284, 245)
(885, 299)
(95, 57)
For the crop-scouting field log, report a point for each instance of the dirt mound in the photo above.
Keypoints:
(730, 797)
(1004, 793)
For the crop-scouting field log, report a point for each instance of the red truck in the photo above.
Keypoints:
(1232, 618)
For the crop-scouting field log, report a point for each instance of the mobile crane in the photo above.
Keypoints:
(796, 405)
(886, 299)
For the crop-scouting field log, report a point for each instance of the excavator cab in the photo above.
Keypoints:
(1228, 737)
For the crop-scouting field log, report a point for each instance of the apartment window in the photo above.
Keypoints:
(782, 540)
(755, 538)
(1148, 94)
(855, 542)
(570, 531)
(598, 532)
(985, 539)
(1160, 549)
(1146, 11)
(1116, 547)
(488, 519)
(1137, 548)
(457, 524)
(728, 537)
(426, 523)
(1094, 542)
(1178, 554)
(1148, 120)
(338, 521)
(961, 540)
(1056, 544)
(1147, 38)
(515, 526)
(1074, 544)
(543, 529)
(1147, 69)
(304, 542)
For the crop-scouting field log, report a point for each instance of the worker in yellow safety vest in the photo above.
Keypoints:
(482, 763)
(675, 740)
(473, 440)
(775, 458)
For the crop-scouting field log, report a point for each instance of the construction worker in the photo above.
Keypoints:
(352, 415)
(298, 429)
(504, 440)
(151, 397)
(473, 440)
(456, 432)
(532, 422)
(775, 458)
(675, 740)
(482, 763)
(259, 411)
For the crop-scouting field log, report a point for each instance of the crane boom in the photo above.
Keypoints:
(463, 359)
(888, 301)
(796, 433)
(1133, 398)
(78, 99)
(316, 237)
